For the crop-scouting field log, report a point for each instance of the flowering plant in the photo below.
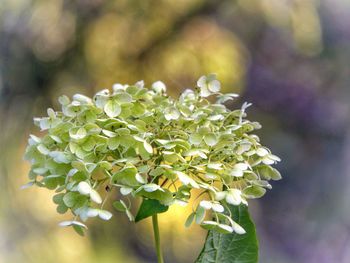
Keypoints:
(153, 147)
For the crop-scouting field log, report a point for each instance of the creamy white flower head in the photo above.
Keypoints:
(142, 141)
(208, 85)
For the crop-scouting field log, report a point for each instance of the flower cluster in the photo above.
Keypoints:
(149, 145)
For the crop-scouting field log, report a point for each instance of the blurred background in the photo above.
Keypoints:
(290, 58)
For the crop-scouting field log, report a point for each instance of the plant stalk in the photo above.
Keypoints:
(157, 238)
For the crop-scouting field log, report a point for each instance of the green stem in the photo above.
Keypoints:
(156, 238)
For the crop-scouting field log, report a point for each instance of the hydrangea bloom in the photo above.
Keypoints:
(149, 145)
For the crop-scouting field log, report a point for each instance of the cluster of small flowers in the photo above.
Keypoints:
(149, 145)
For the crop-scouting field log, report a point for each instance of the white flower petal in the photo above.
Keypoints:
(202, 81)
(84, 188)
(71, 222)
(214, 86)
(92, 212)
(159, 87)
(262, 152)
(233, 197)
(218, 208)
(104, 214)
(238, 229)
(95, 196)
(206, 204)
(125, 190)
(151, 188)
(226, 228)
(220, 195)
(240, 166)
(236, 172)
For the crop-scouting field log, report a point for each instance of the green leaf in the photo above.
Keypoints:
(165, 197)
(61, 209)
(232, 248)
(150, 207)
(58, 199)
(79, 230)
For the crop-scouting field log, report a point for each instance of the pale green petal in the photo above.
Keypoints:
(171, 113)
(122, 97)
(195, 138)
(63, 100)
(214, 86)
(43, 149)
(186, 180)
(236, 172)
(262, 152)
(210, 139)
(112, 109)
